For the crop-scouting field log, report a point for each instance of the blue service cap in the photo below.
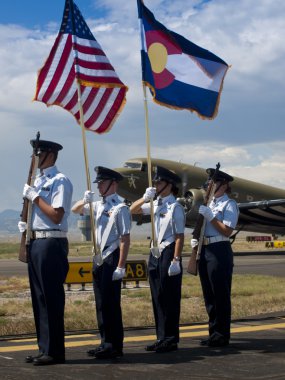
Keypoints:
(163, 174)
(45, 146)
(106, 173)
(219, 176)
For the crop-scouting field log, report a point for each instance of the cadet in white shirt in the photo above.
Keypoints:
(47, 256)
(164, 267)
(113, 225)
(216, 259)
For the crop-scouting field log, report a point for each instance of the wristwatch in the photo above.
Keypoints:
(176, 258)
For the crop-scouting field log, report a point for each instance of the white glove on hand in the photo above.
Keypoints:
(118, 274)
(174, 268)
(149, 194)
(22, 226)
(206, 212)
(30, 193)
(194, 243)
(88, 197)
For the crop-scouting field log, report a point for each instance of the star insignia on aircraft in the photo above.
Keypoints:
(131, 180)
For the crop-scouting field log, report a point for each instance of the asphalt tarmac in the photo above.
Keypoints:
(266, 263)
(256, 351)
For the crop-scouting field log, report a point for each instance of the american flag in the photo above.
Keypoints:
(76, 57)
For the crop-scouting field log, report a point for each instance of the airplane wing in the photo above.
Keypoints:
(260, 215)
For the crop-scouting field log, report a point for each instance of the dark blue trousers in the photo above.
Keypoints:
(166, 295)
(108, 301)
(215, 270)
(48, 267)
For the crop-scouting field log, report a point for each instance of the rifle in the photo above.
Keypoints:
(199, 230)
(26, 214)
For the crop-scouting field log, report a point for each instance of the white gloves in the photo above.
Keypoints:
(174, 268)
(88, 197)
(149, 194)
(118, 274)
(206, 212)
(30, 193)
(22, 226)
(194, 243)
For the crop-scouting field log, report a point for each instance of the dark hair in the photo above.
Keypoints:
(228, 189)
(174, 190)
(55, 154)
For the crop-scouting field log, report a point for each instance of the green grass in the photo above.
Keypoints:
(251, 295)
(10, 250)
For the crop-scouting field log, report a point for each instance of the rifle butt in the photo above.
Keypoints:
(192, 267)
(23, 251)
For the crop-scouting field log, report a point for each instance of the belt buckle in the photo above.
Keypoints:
(205, 241)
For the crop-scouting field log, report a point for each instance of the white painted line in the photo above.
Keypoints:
(6, 357)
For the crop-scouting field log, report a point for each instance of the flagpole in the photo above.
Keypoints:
(92, 221)
(154, 238)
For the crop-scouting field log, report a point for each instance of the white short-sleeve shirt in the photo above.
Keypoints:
(56, 190)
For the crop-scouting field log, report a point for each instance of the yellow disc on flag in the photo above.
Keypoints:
(158, 57)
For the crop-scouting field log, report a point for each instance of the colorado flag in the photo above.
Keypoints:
(179, 74)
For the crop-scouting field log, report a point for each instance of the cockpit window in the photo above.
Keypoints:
(142, 166)
(133, 165)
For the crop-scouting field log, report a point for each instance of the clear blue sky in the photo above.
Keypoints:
(35, 13)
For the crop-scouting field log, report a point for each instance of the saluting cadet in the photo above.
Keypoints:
(216, 259)
(164, 266)
(47, 256)
(113, 224)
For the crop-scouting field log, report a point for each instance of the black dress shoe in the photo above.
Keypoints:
(30, 358)
(153, 346)
(167, 346)
(204, 342)
(94, 351)
(47, 360)
(215, 340)
(109, 353)
(219, 342)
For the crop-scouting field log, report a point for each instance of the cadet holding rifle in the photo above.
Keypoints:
(199, 230)
(216, 258)
(47, 252)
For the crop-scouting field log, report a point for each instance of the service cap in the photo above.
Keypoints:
(163, 174)
(45, 146)
(106, 173)
(220, 176)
